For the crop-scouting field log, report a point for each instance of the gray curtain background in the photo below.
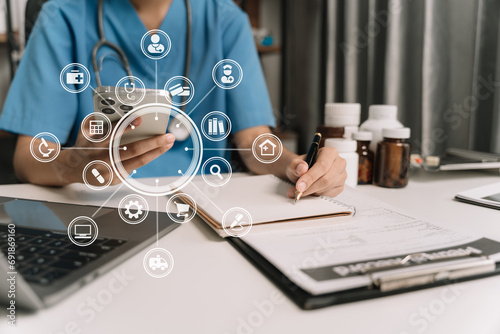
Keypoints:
(438, 60)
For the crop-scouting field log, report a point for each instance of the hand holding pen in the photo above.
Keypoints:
(320, 172)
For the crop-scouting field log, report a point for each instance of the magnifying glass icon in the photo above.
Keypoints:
(215, 171)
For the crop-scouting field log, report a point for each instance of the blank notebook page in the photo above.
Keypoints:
(264, 197)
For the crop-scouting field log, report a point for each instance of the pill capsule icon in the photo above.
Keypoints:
(98, 176)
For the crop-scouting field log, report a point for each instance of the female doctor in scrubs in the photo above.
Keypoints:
(66, 32)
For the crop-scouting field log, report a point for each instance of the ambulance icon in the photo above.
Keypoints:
(158, 263)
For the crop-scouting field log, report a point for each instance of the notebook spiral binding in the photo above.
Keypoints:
(350, 207)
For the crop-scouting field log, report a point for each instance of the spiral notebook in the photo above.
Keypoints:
(264, 197)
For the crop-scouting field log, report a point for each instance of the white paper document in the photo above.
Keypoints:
(328, 255)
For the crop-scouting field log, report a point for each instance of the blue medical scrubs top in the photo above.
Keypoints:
(66, 32)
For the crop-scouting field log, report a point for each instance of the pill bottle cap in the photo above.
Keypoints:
(362, 135)
(400, 133)
(342, 114)
(349, 130)
(383, 111)
(342, 145)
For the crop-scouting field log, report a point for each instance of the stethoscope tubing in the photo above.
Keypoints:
(123, 57)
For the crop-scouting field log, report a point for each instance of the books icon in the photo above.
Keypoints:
(216, 127)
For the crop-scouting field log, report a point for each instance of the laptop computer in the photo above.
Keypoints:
(48, 265)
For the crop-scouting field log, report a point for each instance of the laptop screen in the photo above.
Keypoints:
(44, 215)
(30, 214)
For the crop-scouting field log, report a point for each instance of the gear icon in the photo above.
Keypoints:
(135, 206)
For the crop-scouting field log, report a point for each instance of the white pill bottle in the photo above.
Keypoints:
(347, 151)
(380, 116)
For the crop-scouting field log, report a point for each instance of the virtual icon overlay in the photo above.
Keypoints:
(179, 91)
(96, 127)
(158, 262)
(267, 148)
(133, 209)
(181, 130)
(216, 126)
(155, 44)
(45, 147)
(211, 171)
(130, 91)
(237, 222)
(155, 120)
(130, 112)
(227, 74)
(75, 78)
(97, 175)
(83, 231)
(181, 208)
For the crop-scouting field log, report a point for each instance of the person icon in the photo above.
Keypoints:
(155, 46)
(227, 78)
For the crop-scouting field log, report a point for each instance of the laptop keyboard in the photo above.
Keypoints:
(43, 257)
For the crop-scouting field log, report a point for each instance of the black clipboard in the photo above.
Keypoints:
(307, 301)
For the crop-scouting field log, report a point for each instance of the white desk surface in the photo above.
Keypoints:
(213, 289)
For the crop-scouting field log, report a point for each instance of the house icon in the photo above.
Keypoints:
(267, 148)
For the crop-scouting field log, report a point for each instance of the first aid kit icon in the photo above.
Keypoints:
(75, 77)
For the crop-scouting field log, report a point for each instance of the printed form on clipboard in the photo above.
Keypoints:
(264, 198)
(325, 254)
(378, 252)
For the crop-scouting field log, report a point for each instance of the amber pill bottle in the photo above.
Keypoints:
(392, 161)
(366, 157)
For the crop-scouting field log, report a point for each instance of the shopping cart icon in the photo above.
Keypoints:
(182, 209)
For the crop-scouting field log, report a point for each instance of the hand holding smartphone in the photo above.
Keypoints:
(106, 102)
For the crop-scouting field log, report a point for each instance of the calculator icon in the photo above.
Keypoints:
(96, 127)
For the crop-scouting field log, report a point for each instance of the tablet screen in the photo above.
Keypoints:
(494, 198)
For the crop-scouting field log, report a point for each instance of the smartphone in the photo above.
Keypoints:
(107, 103)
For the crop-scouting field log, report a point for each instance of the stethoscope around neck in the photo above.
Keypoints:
(123, 57)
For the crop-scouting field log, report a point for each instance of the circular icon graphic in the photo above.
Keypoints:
(82, 231)
(133, 209)
(158, 262)
(212, 171)
(74, 78)
(130, 91)
(216, 126)
(267, 148)
(155, 44)
(184, 207)
(227, 74)
(155, 117)
(181, 130)
(96, 127)
(45, 147)
(97, 175)
(179, 91)
(237, 222)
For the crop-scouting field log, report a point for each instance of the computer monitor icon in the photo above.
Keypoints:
(83, 231)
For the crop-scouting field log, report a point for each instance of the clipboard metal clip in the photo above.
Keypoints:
(415, 276)
(431, 275)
